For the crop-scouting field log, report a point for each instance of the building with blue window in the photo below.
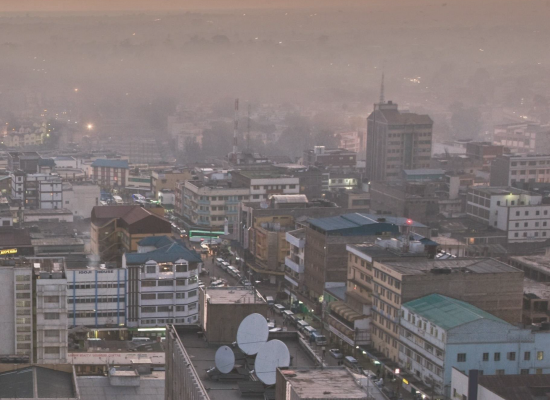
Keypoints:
(439, 333)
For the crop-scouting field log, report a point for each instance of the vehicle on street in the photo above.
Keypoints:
(336, 353)
(224, 265)
(278, 308)
(217, 283)
(351, 362)
(205, 236)
(318, 339)
(219, 261)
(269, 300)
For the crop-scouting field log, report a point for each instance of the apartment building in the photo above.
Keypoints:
(210, 204)
(294, 263)
(518, 169)
(353, 141)
(326, 240)
(44, 191)
(168, 179)
(485, 152)
(439, 333)
(486, 283)
(330, 158)
(396, 140)
(96, 297)
(118, 229)
(80, 198)
(263, 183)
(162, 284)
(522, 137)
(519, 213)
(26, 161)
(109, 172)
(33, 309)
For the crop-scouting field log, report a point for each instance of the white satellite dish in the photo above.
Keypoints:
(272, 355)
(225, 359)
(252, 333)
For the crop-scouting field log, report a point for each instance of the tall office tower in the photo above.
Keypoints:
(396, 141)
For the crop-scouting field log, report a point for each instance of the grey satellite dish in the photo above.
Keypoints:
(225, 359)
(272, 355)
(252, 334)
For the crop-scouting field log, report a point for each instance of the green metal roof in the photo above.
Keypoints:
(446, 312)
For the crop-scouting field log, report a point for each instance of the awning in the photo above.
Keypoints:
(345, 311)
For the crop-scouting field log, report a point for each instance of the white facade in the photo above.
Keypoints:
(168, 294)
(51, 318)
(211, 205)
(96, 297)
(261, 189)
(43, 191)
(459, 388)
(166, 197)
(294, 262)
(81, 198)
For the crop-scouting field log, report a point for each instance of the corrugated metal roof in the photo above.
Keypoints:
(100, 162)
(446, 312)
(355, 220)
(49, 383)
(156, 241)
(169, 253)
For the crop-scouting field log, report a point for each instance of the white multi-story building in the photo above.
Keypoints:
(294, 262)
(514, 169)
(51, 314)
(519, 213)
(210, 205)
(80, 198)
(438, 333)
(162, 284)
(96, 297)
(43, 191)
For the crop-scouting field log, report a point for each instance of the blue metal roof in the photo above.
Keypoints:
(156, 241)
(357, 220)
(100, 162)
(169, 253)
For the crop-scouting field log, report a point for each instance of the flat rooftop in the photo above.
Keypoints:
(540, 263)
(415, 266)
(539, 289)
(57, 241)
(202, 356)
(323, 383)
(151, 387)
(264, 174)
(233, 295)
(499, 190)
(42, 211)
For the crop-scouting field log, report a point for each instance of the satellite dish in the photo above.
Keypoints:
(264, 204)
(225, 359)
(252, 333)
(272, 355)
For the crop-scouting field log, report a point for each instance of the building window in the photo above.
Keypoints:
(148, 296)
(540, 355)
(524, 372)
(512, 356)
(497, 356)
(517, 213)
(499, 372)
(485, 356)
(51, 350)
(164, 308)
(180, 308)
(148, 283)
(151, 269)
(167, 282)
(51, 299)
(181, 268)
(51, 333)
(527, 356)
(165, 296)
(148, 309)
(22, 278)
(51, 316)
(192, 306)
(461, 357)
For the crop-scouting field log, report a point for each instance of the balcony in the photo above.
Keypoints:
(296, 238)
(291, 280)
(299, 269)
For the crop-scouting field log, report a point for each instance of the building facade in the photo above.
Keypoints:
(44, 191)
(168, 179)
(518, 169)
(109, 173)
(396, 140)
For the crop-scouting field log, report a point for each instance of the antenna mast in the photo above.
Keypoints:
(248, 129)
(382, 99)
(236, 127)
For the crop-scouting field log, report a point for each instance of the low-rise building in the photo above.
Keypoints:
(330, 158)
(518, 169)
(44, 191)
(109, 172)
(118, 229)
(80, 198)
(167, 179)
(439, 333)
(222, 310)
(521, 214)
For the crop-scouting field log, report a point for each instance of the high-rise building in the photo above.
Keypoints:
(396, 140)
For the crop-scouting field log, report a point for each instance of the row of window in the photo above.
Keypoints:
(100, 299)
(162, 321)
(420, 360)
(511, 356)
(153, 309)
(535, 234)
(168, 282)
(94, 286)
(387, 278)
(515, 163)
(153, 269)
(99, 314)
(388, 294)
(170, 295)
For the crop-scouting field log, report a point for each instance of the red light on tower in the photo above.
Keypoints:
(409, 222)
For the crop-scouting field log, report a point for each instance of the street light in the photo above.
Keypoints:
(90, 127)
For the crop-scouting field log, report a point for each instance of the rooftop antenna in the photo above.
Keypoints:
(382, 100)
(236, 126)
(248, 129)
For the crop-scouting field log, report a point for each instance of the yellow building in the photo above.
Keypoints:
(168, 179)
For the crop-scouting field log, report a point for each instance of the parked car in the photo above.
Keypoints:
(269, 300)
(336, 353)
(278, 308)
(351, 362)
